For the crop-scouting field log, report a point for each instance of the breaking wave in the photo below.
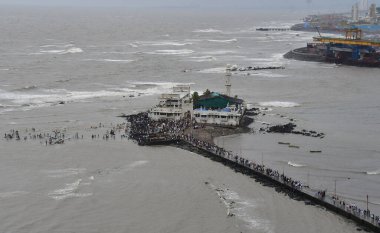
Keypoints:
(279, 104)
(209, 30)
(12, 194)
(70, 190)
(293, 164)
(202, 58)
(37, 98)
(243, 209)
(163, 43)
(223, 41)
(60, 173)
(172, 52)
(217, 70)
(377, 172)
(26, 88)
(58, 49)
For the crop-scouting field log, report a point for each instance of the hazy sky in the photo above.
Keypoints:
(282, 4)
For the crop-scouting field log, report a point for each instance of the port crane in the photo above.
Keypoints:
(352, 43)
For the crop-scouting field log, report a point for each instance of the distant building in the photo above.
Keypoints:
(372, 12)
(355, 12)
(175, 105)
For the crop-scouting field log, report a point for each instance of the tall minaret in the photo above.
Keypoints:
(228, 80)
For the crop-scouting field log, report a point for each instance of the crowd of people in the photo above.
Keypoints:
(261, 168)
(146, 131)
(50, 138)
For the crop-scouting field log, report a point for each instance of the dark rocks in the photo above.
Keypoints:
(288, 128)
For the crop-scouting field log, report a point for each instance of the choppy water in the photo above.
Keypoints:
(103, 62)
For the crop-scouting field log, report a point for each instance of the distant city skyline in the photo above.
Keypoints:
(335, 5)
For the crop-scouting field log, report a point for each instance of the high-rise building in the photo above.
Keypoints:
(372, 12)
(355, 12)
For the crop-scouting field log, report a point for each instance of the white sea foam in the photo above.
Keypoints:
(216, 70)
(48, 97)
(267, 74)
(118, 60)
(163, 43)
(70, 190)
(223, 41)
(244, 209)
(133, 45)
(293, 164)
(377, 172)
(4, 69)
(172, 52)
(279, 104)
(12, 194)
(60, 173)
(218, 52)
(202, 58)
(208, 30)
(71, 50)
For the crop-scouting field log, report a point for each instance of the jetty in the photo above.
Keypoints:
(272, 29)
(181, 134)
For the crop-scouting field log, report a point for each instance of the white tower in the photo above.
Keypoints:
(228, 80)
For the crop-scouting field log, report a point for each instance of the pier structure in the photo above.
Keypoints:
(170, 132)
(363, 217)
(272, 29)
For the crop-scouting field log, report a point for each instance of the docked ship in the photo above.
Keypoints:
(351, 50)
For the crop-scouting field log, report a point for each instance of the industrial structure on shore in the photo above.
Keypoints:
(351, 50)
(211, 108)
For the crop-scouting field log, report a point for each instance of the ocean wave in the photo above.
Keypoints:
(218, 52)
(243, 209)
(279, 104)
(49, 97)
(223, 41)
(57, 45)
(118, 60)
(377, 172)
(71, 50)
(26, 88)
(60, 173)
(208, 30)
(172, 52)
(293, 164)
(216, 70)
(70, 190)
(12, 194)
(163, 43)
(202, 58)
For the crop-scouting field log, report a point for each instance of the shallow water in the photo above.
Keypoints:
(103, 62)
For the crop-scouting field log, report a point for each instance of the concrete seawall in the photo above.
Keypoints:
(327, 201)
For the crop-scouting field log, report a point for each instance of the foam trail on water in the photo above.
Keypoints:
(377, 172)
(70, 190)
(60, 173)
(243, 209)
(279, 104)
(293, 164)
(172, 52)
(223, 41)
(208, 30)
(12, 194)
